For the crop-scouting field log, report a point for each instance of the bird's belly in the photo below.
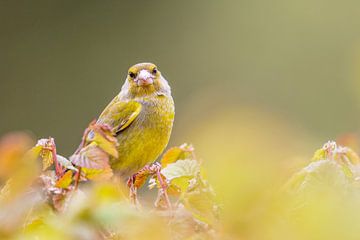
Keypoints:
(141, 143)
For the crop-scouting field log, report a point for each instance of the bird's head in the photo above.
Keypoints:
(145, 79)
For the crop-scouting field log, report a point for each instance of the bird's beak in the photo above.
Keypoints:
(144, 78)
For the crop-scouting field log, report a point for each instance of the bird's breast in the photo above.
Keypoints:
(147, 136)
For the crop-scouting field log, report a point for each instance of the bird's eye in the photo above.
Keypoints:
(154, 71)
(132, 75)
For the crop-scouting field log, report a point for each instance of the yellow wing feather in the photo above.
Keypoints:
(119, 114)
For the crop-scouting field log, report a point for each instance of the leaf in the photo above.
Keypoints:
(319, 154)
(44, 145)
(201, 203)
(94, 162)
(65, 163)
(65, 180)
(181, 172)
(319, 174)
(91, 157)
(141, 176)
(97, 174)
(185, 151)
(103, 137)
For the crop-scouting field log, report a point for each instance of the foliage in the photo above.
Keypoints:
(47, 196)
(80, 198)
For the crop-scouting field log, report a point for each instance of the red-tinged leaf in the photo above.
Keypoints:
(91, 157)
(104, 138)
(185, 151)
(141, 176)
(65, 180)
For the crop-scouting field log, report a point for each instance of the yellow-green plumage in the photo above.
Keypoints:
(141, 117)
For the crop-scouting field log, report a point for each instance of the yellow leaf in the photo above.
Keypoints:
(47, 159)
(65, 180)
(104, 138)
(201, 203)
(181, 172)
(45, 154)
(185, 151)
(97, 174)
(320, 154)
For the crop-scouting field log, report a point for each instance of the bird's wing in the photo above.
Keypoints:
(120, 114)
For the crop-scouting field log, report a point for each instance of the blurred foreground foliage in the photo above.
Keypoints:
(47, 196)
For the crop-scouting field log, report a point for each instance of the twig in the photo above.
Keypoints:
(77, 178)
(83, 139)
(163, 187)
(58, 169)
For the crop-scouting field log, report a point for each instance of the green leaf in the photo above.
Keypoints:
(181, 172)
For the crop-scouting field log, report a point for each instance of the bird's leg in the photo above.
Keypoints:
(163, 185)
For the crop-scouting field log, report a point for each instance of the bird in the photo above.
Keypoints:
(141, 117)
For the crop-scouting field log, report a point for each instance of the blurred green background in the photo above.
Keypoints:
(61, 62)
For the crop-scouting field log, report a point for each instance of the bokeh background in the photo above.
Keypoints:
(258, 85)
(61, 62)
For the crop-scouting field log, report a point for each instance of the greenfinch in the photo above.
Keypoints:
(141, 117)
